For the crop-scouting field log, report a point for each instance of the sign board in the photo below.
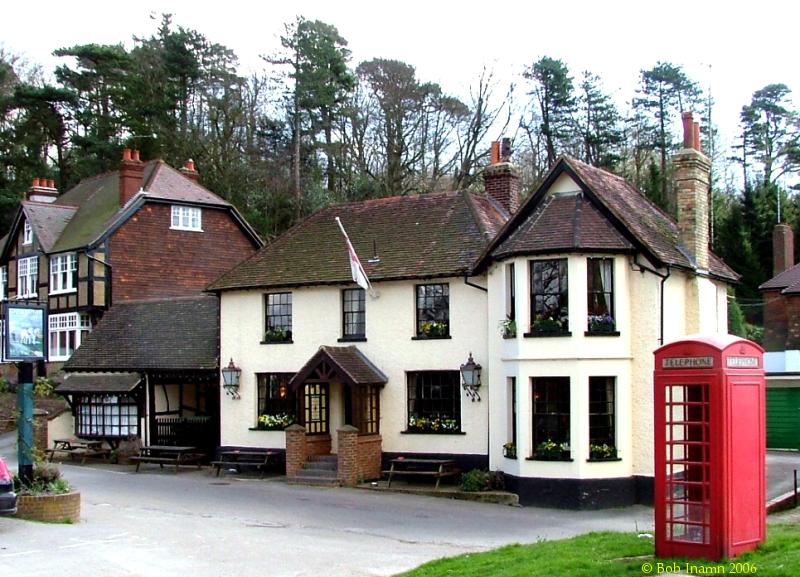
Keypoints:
(687, 363)
(25, 332)
(742, 362)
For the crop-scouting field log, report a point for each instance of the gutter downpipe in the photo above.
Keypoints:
(663, 278)
(473, 285)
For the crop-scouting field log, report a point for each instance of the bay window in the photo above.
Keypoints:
(549, 297)
(106, 416)
(600, 295)
(27, 277)
(62, 273)
(67, 331)
(551, 418)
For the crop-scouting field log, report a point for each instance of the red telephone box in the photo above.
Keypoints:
(710, 447)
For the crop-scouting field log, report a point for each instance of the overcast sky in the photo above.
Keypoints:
(733, 47)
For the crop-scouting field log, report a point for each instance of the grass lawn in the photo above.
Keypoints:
(615, 554)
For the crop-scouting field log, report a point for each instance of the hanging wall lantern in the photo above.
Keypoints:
(230, 379)
(471, 378)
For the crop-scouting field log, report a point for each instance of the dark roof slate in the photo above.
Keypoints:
(419, 236)
(99, 383)
(788, 281)
(47, 220)
(97, 201)
(349, 363)
(165, 334)
(564, 223)
(634, 218)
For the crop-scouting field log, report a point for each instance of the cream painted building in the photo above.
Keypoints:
(562, 301)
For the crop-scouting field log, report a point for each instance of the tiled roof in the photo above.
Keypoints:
(349, 363)
(47, 221)
(564, 223)
(99, 383)
(97, 199)
(788, 281)
(421, 236)
(630, 218)
(169, 334)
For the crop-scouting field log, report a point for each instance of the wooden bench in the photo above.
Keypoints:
(236, 459)
(165, 455)
(75, 447)
(436, 468)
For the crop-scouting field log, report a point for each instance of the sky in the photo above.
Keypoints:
(733, 48)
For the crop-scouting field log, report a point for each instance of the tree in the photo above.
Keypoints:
(770, 134)
(553, 93)
(664, 91)
(599, 124)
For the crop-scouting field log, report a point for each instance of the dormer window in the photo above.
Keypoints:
(186, 218)
(27, 233)
(62, 273)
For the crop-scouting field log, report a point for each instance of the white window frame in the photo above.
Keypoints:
(27, 233)
(186, 218)
(27, 277)
(3, 283)
(66, 331)
(62, 273)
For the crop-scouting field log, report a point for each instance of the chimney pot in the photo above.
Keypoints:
(135, 155)
(688, 130)
(696, 135)
(51, 183)
(35, 182)
(495, 152)
(126, 154)
(189, 165)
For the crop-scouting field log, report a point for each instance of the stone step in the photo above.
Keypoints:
(320, 466)
(315, 481)
(324, 458)
(318, 473)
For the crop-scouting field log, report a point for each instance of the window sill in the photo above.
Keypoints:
(546, 335)
(424, 338)
(604, 460)
(554, 460)
(186, 229)
(289, 342)
(64, 292)
(413, 432)
(352, 340)
(601, 334)
(267, 430)
(512, 457)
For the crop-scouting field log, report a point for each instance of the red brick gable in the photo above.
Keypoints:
(151, 260)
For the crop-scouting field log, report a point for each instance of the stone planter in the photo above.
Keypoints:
(64, 508)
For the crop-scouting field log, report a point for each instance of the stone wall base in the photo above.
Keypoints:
(65, 508)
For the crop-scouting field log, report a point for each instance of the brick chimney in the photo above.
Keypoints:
(131, 171)
(42, 190)
(782, 248)
(692, 177)
(501, 177)
(189, 170)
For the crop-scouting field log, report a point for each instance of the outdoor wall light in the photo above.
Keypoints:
(471, 378)
(230, 379)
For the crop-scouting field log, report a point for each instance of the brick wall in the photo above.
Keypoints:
(295, 449)
(50, 508)
(775, 320)
(501, 182)
(347, 453)
(151, 260)
(369, 457)
(318, 445)
(792, 309)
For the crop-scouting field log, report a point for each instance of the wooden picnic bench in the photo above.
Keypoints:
(168, 455)
(436, 468)
(76, 447)
(238, 458)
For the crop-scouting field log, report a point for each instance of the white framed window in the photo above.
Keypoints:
(3, 283)
(27, 277)
(62, 273)
(186, 218)
(27, 233)
(106, 416)
(2, 341)
(67, 330)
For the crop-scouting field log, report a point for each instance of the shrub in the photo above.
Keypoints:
(43, 387)
(475, 480)
(46, 480)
